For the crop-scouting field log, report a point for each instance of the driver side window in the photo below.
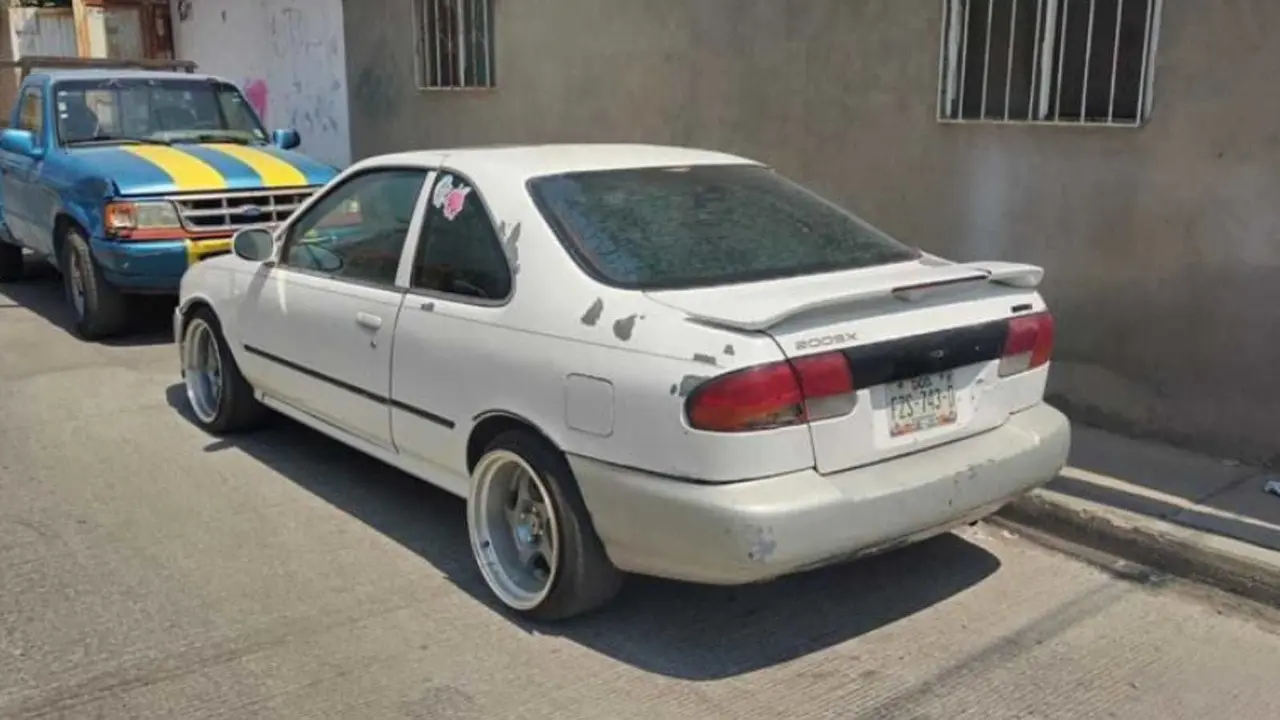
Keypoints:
(32, 116)
(357, 231)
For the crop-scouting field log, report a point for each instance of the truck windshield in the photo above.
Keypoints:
(153, 110)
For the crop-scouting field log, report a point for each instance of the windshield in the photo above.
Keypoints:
(670, 228)
(154, 110)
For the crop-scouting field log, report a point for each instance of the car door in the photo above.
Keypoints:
(20, 172)
(459, 282)
(316, 326)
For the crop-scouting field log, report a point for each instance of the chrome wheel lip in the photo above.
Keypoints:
(202, 370)
(493, 539)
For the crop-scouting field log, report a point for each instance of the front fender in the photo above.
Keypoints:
(211, 284)
(82, 200)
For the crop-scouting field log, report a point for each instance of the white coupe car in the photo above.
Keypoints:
(632, 359)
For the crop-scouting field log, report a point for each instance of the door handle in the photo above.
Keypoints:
(364, 319)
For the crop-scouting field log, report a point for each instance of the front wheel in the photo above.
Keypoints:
(221, 399)
(99, 309)
(531, 533)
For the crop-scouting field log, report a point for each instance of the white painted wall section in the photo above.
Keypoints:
(287, 56)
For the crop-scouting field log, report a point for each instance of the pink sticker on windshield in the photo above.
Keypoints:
(454, 201)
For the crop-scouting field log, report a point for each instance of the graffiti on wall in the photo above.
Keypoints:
(255, 91)
(308, 75)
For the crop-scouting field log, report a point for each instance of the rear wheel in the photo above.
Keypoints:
(531, 534)
(221, 399)
(99, 309)
(10, 262)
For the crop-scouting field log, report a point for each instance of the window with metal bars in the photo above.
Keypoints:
(454, 45)
(1067, 62)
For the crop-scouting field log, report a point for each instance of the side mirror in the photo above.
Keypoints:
(20, 142)
(254, 244)
(286, 139)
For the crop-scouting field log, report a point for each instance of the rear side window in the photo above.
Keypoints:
(670, 228)
(460, 253)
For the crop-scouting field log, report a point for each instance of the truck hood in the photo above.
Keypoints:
(205, 167)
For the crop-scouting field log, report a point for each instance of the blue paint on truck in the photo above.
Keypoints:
(123, 179)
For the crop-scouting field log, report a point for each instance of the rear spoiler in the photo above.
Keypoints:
(934, 278)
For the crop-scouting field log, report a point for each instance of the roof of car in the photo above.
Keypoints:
(555, 159)
(110, 73)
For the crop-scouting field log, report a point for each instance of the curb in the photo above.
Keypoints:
(1231, 565)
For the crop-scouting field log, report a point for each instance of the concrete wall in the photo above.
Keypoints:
(1162, 244)
(287, 56)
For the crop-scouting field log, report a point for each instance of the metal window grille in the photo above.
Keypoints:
(1057, 62)
(454, 44)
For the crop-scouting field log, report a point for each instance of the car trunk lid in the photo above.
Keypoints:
(923, 341)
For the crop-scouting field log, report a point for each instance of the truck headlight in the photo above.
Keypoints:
(142, 220)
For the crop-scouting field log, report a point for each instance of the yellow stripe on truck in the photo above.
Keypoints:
(274, 171)
(187, 171)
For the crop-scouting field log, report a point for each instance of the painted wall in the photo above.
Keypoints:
(1162, 244)
(286, 55)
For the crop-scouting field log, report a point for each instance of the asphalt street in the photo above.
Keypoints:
(148, 570)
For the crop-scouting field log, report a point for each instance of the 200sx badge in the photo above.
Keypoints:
(826, 341)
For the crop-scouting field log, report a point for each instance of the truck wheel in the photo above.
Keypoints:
(10, 262)
(221, 399)
(99, 310)
(531, 533)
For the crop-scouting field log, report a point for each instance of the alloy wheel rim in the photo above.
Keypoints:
(514, 530)
(202, 371)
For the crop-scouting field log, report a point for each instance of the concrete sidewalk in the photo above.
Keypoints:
(1172, 510)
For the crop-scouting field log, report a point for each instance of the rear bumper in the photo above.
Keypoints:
(153, 265)
(751, 531)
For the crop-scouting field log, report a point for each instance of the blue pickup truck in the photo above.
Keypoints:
(124, 178)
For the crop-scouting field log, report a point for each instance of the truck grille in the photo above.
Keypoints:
(232, 211)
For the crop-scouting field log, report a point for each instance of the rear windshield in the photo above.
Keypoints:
(670, 228)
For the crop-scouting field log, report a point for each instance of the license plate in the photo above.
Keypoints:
(921, 403)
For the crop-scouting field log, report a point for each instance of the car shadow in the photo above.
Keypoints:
(41, 292)
(679, 630)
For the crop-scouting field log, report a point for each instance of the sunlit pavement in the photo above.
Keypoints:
(150, 571)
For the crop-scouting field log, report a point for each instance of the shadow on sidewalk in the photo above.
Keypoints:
(41, 292)
(1171, 484)
(668, 628)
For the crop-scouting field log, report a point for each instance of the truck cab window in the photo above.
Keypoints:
(31, 118)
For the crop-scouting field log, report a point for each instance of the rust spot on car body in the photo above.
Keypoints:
(624, 328)
(593, 313)
(763, 545)
(510, 245)
(688, 384)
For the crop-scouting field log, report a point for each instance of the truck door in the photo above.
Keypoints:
(18, 173)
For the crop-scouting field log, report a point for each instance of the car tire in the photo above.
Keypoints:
(222, 401)
(98, 309)
(10, 262)
(579, 577)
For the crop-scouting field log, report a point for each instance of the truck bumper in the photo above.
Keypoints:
(153, 266)
(736, 533)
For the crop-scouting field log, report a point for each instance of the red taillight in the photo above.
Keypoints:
(774, 395)
(1028, 345)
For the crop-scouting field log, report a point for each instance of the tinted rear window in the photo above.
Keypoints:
(666, 228)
